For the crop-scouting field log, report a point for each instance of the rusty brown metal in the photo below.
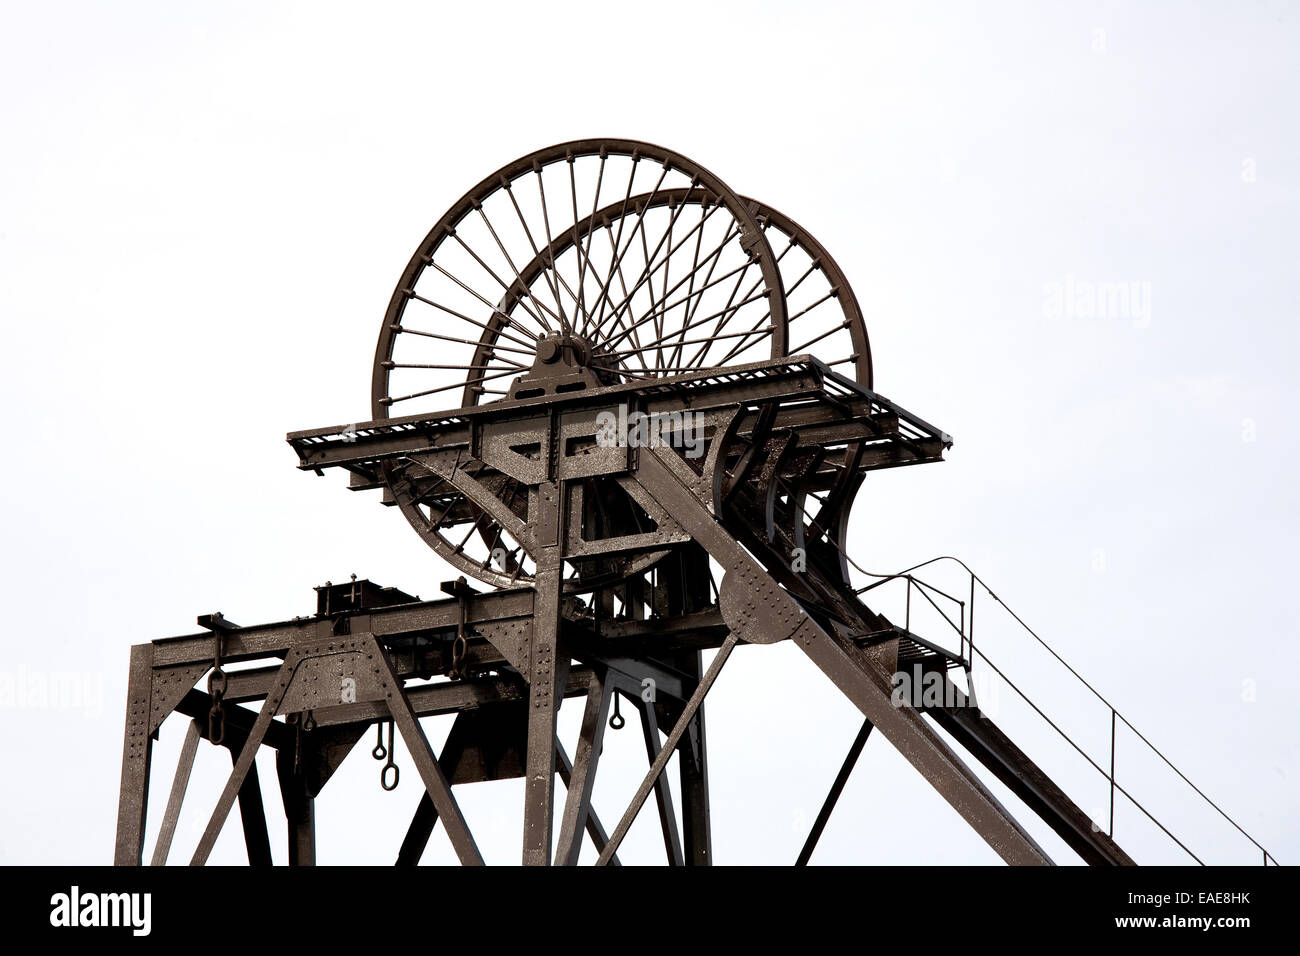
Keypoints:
(655, 457)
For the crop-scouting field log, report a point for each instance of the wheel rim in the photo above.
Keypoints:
(823, 316)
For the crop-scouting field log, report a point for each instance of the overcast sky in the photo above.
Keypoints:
(204, 209)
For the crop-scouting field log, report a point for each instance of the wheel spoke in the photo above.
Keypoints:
(495, 347)
(434, 391)
(617, 259)
(742, 345)
(455, 367)
(647, 273)
(639, 227)
(653, 345)
(730, 311)
(635, 338)
(550, 243)
(660, 309)
(482, 325)
(650, 313)
(528, 233)
(505, 286)
(690, 289)
(586, 255)
(524, 291)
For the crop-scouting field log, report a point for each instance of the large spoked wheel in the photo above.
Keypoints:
(646, 260)
(579, 240)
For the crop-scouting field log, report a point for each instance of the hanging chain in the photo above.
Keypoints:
(460, 646)
(217, 686)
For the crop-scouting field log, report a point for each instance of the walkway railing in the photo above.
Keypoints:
(959, 616)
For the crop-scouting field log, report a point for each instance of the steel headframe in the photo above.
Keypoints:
(652, 519)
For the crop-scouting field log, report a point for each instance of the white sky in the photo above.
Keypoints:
(204, 209)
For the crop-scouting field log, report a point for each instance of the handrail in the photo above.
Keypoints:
(967, 633)
(1082, 753)
(923, 587)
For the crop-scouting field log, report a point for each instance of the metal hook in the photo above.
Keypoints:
(616, 720)
(383, 773)
(216, 723)
(217, 684)
(379, 753)
(458, 649)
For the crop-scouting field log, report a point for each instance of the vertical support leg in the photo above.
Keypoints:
(577, 805)
(299, 810)
(137, 751)
(302, 832)
(539, 775)
(693, 772)
(303, 772)
(253, 817)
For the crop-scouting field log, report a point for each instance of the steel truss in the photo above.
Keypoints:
(524, 650)
(618, 559)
